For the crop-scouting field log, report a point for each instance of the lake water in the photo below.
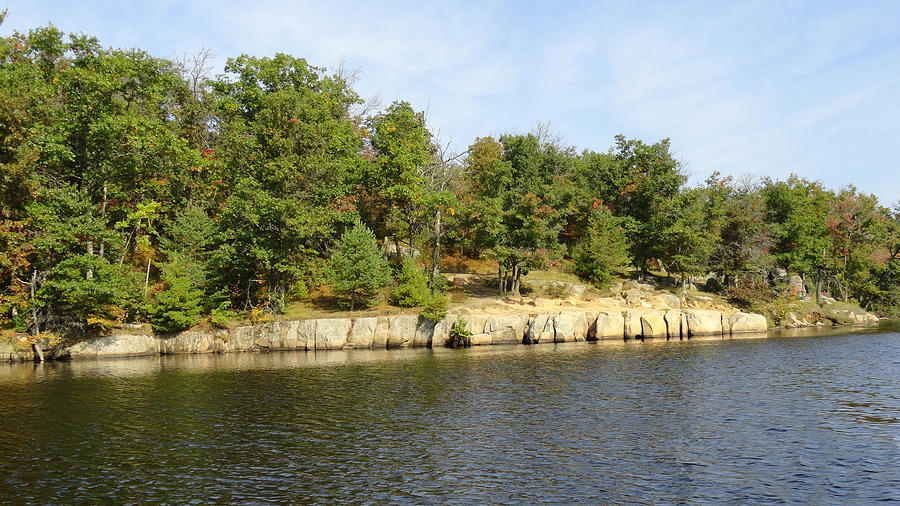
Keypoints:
(812, 419)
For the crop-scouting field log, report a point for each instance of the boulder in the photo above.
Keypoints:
(792, 320)
(570, 326)
(703, 322)
(668, 301)
(507, 329)
(609, 325)
(653, 324)
(578, 290)
(362, 334)
(535, 328)
(634, 285)
(331, 333)
(274, 336)
(633, 324)
(382, 330)
(475, 323)
(401, 330)
(424, 333)
(442, 330)
(590, 319)
(633, 297)
(393, 249)
(540, 329)
(867, 318)
(121, 345)
(300, 335)
(796, 287)
(18, 352)
(481, 339)
(188, 341)
(673, 319)
(744, 322)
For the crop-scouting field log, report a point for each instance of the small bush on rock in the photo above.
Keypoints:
(460, 336)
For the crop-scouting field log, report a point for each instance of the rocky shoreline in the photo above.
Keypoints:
(407, 331)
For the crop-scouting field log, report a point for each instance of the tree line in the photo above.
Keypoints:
(135, 188)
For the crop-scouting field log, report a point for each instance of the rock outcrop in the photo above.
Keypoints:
(410, 331)
(653, 324)
(703, 322)
(609, 325)
(743, 322)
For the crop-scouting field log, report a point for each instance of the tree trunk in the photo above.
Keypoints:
(35, 318)
(90, 251)
(38, 352)
(819, 279)
(500, 277)
(147, 278)
(517, 280)
(411, 234)
(103, 215)
(436, 247)
(35, 312)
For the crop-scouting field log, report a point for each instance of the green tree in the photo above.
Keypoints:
(360, 269)
(744, 239)
(602, 249)
(644, 182)
(855, 225)
(179, 304)
(797, 210)
(689, 228)
(394, 181)
(412, 285)
(287, 150)
(513, 208)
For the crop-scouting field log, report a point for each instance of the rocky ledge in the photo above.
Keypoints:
(410, 331)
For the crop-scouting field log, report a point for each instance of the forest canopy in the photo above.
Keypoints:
(138, 189)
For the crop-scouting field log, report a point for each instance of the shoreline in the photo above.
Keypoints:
(405, 331)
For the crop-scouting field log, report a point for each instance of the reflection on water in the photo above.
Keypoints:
(811, 419)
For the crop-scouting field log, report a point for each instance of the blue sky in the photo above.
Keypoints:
(745, 88)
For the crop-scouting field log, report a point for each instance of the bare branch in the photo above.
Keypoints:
(196, 67)
(546, 137)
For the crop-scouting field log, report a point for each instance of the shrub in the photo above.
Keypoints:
(460, 336)
(748, 295)
(435, 307)
(712, 285)
(222, 316)
(412, 287)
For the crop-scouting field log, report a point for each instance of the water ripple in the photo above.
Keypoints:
(808, 420)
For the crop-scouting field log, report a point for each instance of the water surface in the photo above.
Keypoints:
(796, 419)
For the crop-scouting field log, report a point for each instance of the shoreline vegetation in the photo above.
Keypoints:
(137, 191)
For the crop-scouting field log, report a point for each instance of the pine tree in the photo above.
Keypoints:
(359, 268)
(179, 305)
(602, 249)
